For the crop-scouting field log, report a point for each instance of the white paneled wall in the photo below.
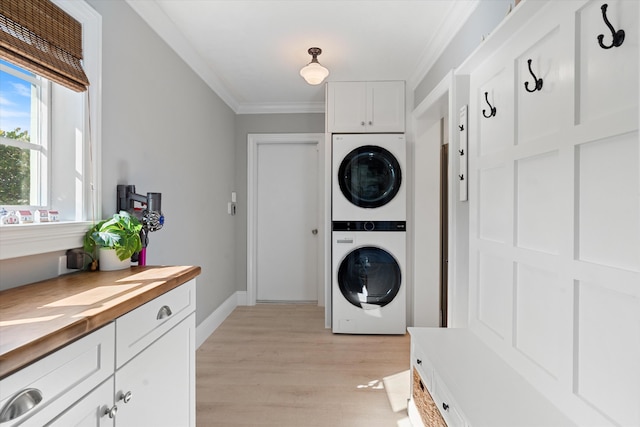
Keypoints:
(554, 202)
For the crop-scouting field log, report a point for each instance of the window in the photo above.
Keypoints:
(62, 146)
(24, 159)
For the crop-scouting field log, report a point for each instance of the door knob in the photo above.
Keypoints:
(314, 231)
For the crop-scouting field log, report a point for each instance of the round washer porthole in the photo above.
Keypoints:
(369, 277)
(369, 176)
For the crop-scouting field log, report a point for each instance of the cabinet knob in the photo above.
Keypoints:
(125, 397)
(111, 412)
(419, 362)
(445, 406)
(20, 404)
(361, 123)
(164, 312)
(370, 122)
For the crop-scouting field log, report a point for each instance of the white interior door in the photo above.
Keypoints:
(287, 221)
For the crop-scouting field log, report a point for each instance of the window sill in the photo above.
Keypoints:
(32, 239)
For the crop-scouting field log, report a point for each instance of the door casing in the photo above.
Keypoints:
(253, 141)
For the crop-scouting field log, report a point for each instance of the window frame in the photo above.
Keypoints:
(38, 146)
(38, 238)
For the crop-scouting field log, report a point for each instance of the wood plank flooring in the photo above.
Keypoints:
(277, 365)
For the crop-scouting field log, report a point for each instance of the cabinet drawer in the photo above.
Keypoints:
(60, 379)
(139, 328)
(422, 365)
(448, 408)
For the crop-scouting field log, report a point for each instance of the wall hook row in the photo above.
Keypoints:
(492, 111)
(617, 36)
(538, 82)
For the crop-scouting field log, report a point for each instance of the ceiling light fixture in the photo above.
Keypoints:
(313, 72)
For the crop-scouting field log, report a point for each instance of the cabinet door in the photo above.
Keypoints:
(346, 107)
(61, 378)
(157, 387)
(92, 410)
(385, 107)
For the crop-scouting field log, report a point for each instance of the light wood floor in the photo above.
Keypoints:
(276, 365)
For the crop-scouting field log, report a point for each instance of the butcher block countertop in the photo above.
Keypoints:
(39, 318)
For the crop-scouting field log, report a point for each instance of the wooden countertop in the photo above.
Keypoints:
(41, 317)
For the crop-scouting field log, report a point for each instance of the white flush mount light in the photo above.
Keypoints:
(314, 73)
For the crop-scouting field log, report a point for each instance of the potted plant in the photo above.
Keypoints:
(116, 239)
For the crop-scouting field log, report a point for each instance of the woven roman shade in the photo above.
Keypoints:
(40, 37)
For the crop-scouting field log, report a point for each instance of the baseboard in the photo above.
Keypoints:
(215, 319)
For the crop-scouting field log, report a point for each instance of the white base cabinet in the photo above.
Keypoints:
(90, 410)
(471, 385)
(144, 397)
(137, 371)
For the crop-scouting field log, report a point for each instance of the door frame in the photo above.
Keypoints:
(253, 141)
(445, 100)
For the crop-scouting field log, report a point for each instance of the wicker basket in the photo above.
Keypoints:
(427, 408)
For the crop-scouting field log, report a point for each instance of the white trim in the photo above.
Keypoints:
(159, 22)
(449, 27)
(281, 108)
(32, 239)
(242, 297)
(253, 140)
(436, 105)
(215, 319)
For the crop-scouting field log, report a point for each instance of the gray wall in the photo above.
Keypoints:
(487, 15)
(165, 130)
(260, 123)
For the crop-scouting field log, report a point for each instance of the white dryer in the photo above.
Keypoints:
(368, 177)
(368, 268)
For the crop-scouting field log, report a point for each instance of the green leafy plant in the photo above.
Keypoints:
(121, 232)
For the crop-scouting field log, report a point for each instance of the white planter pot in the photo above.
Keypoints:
(109, 261)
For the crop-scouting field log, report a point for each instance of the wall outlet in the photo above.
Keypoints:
(62, 266)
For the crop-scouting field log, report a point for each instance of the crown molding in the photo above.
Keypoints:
(159, 22)
(281, 108)
(449, 27)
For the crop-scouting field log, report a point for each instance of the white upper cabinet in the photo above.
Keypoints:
(366, 107)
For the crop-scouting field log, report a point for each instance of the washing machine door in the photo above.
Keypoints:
(369, 176)
(369, 277)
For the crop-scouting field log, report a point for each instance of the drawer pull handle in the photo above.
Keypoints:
(419, 362)
(21, 403)
(445, 406)
(111, 412)
(164, 312)
(125, 397)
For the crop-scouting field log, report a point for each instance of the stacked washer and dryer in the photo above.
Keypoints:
(368, 234)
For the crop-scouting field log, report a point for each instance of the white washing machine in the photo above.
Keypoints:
(368, 274)
(368, 177)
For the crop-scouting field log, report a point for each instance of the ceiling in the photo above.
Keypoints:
(250, 51)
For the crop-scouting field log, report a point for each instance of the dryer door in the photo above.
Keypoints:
(369, 277)
(369, 176)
